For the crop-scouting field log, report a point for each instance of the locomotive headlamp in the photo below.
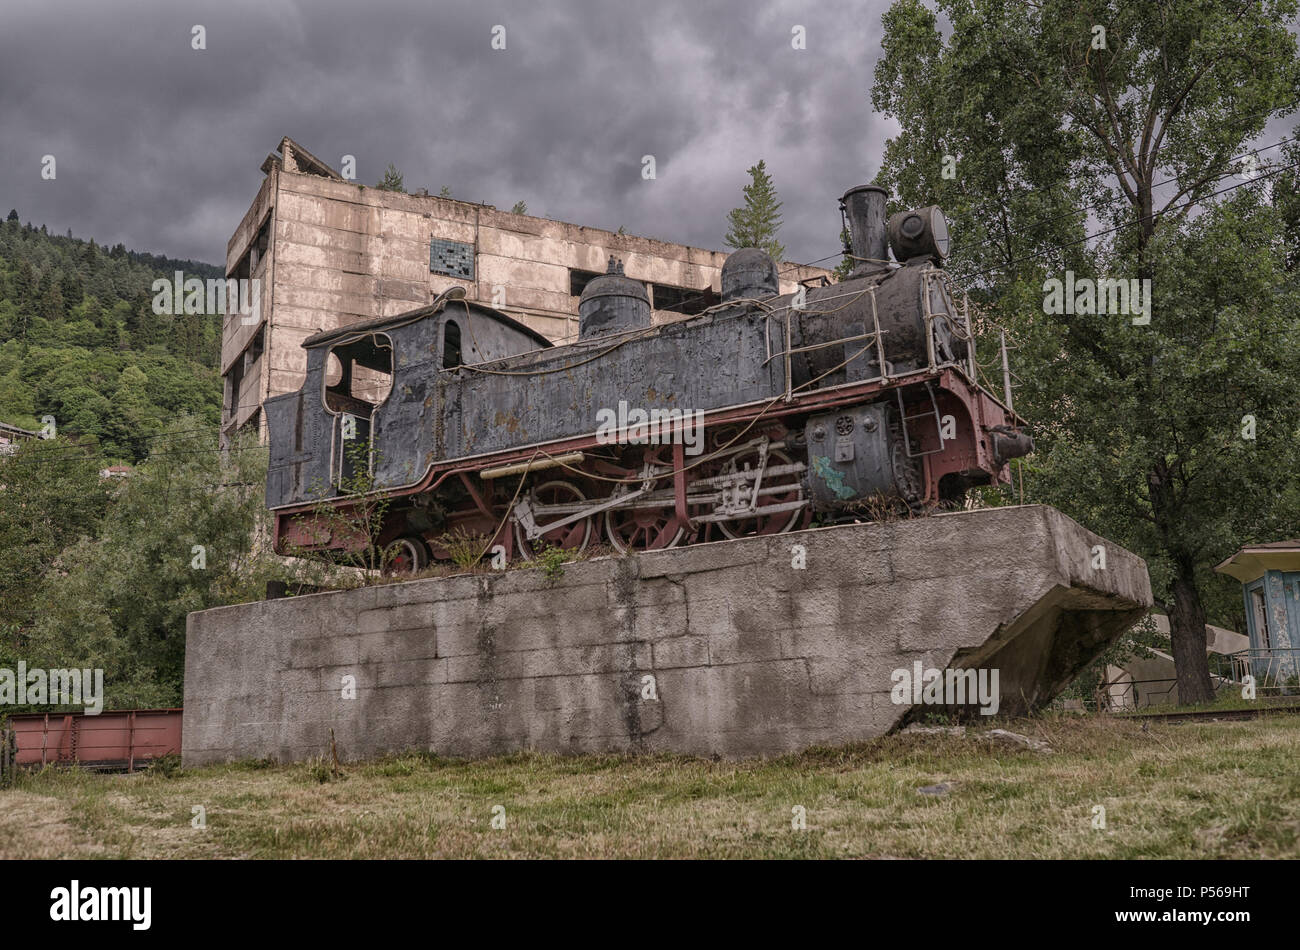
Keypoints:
(920, 233)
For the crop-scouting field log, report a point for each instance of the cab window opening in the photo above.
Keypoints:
(451, 345)
(359, 376)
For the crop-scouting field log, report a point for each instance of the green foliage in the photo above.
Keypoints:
(166, 766)
(847, 263)
(465, 548)
(553, 558)
(354, 517)
(120, 574)
(1139, 429)
(756, 223)
(81, 342)
(519, 208)
(392, 180)
(51, 496)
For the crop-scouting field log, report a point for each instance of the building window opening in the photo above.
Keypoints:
(579, 279)
(682, 299)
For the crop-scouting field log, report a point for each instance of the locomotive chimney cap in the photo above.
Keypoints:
(856, 188)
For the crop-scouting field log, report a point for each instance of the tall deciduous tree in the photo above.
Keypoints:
(756, 222)
(186, 531)
(51, 496)
(1038, 124)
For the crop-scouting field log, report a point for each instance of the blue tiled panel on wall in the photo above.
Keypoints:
(451, 258)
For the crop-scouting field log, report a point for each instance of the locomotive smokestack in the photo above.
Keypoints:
(863, 208)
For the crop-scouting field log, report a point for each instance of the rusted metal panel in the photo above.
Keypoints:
(109, 740)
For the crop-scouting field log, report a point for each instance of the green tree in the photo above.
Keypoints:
(70, 287)
(392, 180)
(520, 207)
(757, 221)
(50, 495)
(847, 263)
(186, 531)
(1057, 112)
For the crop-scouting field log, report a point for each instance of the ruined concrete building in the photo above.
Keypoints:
(329, 252)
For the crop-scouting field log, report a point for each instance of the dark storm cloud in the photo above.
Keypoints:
(158, 145)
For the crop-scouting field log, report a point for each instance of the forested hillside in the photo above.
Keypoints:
(79, 341)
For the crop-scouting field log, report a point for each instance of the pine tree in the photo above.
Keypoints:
(392, 180)
(71, 287)
(755, 223)
(13, 215)
(24, 283)
(519, 208)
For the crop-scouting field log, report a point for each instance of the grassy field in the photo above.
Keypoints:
(1217, 790)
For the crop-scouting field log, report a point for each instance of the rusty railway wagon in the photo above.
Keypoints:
(121, 739)
(751, 417)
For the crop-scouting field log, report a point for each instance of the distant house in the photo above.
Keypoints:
(115, 471)
(1270, 587)
(1152, 681)
(10, 436)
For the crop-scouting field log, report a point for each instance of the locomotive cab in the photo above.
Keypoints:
(370, 399)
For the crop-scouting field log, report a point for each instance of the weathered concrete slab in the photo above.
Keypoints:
(747, 654)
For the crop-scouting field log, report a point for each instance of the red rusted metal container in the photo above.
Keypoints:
(110, 740)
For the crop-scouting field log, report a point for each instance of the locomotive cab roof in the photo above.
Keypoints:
(325, 337)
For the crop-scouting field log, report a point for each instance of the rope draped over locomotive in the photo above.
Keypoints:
(825, 402)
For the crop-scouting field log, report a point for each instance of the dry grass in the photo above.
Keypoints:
(1217, 790)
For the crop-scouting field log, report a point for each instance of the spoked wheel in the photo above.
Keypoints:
(573, 537)
(646, 529)
(790, 488)
(406, 555)
(642, 529)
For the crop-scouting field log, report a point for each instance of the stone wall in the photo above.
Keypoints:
(746, 654)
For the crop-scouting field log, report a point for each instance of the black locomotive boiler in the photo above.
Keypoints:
(752, 417)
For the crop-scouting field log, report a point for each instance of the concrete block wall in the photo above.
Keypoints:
(747, 654)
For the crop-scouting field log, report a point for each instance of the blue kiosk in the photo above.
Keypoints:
(1270, 587)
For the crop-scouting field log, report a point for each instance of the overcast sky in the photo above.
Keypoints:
(159, 145)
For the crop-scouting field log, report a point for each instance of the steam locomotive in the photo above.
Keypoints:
(751, 418)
